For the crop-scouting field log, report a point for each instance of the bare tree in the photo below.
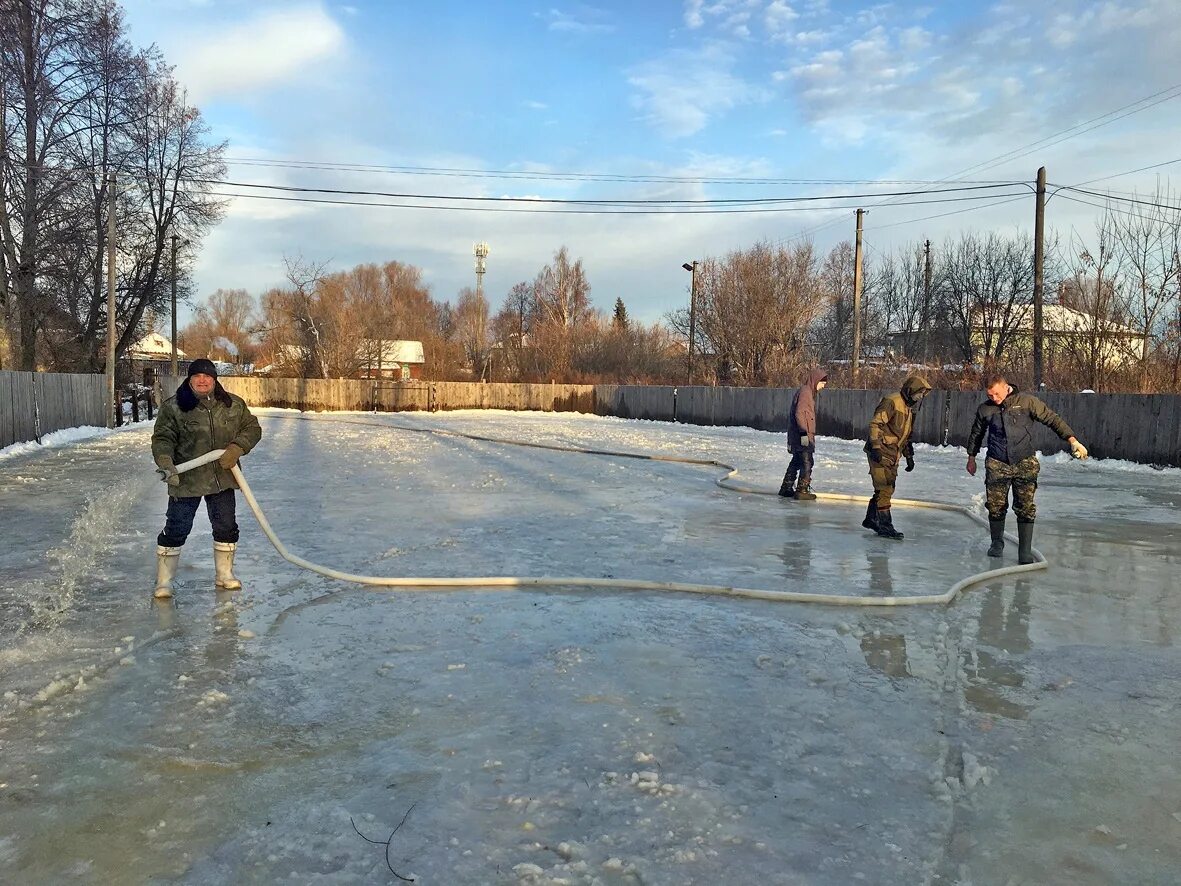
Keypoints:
(1148, 238)
(754, 310)
(986, 285)
(1095, 339)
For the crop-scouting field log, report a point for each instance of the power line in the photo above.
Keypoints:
(1152, 100)
(1102, 196)
(1129, 172)
(674, 210)
(564, 202)
(953, 212)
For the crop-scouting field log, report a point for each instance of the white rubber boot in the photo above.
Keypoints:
(167, 559)
(223, 561)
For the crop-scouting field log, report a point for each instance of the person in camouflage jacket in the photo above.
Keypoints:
(888, 443)
(1007, 418)
(201, 417)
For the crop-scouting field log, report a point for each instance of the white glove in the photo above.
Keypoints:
(1077, 449)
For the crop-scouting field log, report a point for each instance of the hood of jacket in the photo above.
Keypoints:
(914, 388)
(815, 377)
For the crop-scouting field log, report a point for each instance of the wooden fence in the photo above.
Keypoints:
(33, 404)
(344, 394)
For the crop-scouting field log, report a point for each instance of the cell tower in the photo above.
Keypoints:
(481, 254)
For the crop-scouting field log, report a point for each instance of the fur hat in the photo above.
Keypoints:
(202, 367)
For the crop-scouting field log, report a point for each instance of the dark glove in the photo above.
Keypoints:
(166, 468)
(909, 463)
(875, 455)
(230, 457)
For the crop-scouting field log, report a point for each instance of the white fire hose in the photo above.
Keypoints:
(428, 583)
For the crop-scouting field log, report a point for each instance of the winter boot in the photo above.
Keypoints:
(871, 516)
(1025, 543)
(167, 559)
(886, 525)
(787, 488)
(805, 493)
(223, 561)
(997, 527)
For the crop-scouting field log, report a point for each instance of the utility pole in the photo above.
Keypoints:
(692, 269)
(926, 300)
(112, 405)
(857, 302)
(173, 368)
(1039, 279)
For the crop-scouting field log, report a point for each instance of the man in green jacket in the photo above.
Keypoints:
(1007, 417)
(888, 443)
(201, 417)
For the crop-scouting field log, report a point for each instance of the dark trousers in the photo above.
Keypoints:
(178, 523)
(801, 464)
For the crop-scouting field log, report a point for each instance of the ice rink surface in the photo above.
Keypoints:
(1026, 734)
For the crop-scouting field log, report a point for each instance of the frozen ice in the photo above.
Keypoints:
(573, 735)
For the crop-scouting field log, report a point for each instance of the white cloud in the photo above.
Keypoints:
(585, 20)
(680, 92)
(259, 53)
(778, 17)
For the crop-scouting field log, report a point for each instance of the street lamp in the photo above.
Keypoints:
(692, 269)
(175, 244)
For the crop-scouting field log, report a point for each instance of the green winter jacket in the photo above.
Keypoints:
(893, 420)
(187, 427)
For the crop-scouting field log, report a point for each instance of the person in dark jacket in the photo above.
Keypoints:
(1007, 417)
(201, 417)
(888, 443)
(801, 438)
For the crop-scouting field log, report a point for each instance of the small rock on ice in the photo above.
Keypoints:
(246, 634)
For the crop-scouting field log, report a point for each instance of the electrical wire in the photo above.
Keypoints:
(565, 202)
(1102, 196)
(1129, 172)
(638, 210)
(1152, 100)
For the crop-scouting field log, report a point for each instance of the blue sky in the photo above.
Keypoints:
(808, 89)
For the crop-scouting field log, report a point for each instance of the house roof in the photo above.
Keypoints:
(154, 346)
(369, 350)
(397, 351)
(1060, 318)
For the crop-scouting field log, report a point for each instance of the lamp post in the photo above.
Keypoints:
(691, 267)
(175, 245)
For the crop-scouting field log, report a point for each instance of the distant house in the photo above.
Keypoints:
(1066, 330)
(154, 348)
(394, 359)
(398, 359)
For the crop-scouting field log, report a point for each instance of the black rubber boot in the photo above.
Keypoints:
(997, 527)
(871, 516)
(1025, 546)
(787, 488)
(886, 526)
(805, 493)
